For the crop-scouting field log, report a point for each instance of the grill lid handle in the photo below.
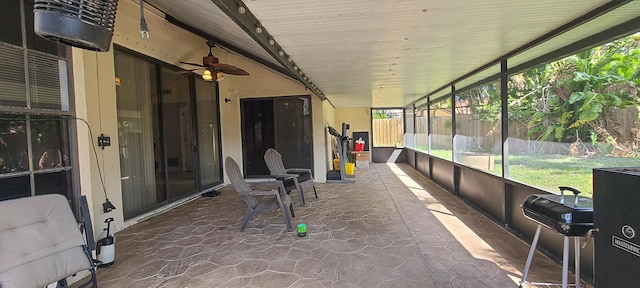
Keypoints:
(575, 194)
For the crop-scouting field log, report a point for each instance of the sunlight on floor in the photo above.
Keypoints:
(477, 247)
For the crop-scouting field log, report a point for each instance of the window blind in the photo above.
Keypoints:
(12, 80)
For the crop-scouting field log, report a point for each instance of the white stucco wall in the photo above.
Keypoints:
(95, 101)
(94, 92)
(358, 118)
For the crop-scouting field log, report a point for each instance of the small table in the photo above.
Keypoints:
(361, 158)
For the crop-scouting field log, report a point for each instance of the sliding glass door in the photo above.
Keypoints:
(140, 160)
(208, 132)
(177, 131)
(168, 132)
(283, 123)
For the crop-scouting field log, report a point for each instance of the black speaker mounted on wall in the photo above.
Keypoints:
(86, 24)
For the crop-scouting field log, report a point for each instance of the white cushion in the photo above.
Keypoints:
(40, 242)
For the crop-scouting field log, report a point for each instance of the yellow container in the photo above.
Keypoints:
(336, 164)
(349, 168)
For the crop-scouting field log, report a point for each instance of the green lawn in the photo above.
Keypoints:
(550, 171)
(444, 154)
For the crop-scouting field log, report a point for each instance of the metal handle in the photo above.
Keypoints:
(574, 190)
(588, 237)
(575, 193)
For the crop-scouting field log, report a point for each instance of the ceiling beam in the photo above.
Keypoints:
(240, 14)
(228, 44)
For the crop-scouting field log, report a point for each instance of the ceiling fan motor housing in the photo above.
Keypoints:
(84, 24)
(212, 64)
(209, 60)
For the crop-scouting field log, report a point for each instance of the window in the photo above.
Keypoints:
(10, 13)
(34, 147)
(422, 128)
(440, 114)
(14, 152)
(575, 114)
(478, 140)
(42, 83)
(34, 150)
(409, 127)
(387, 127)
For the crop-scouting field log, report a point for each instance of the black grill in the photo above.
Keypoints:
(570, 215)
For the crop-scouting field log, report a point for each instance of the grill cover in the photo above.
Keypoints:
(559, 213)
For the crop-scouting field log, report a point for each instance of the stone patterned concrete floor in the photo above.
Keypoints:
(392, 228)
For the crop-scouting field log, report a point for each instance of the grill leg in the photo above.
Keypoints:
(577, 259)
(565, 262)
(530, 257)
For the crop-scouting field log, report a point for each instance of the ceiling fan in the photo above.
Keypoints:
(211, 64)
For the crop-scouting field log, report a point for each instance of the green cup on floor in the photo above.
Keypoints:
(302, 230)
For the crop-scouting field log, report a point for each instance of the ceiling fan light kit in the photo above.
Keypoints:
(211, 65)
(206, 76)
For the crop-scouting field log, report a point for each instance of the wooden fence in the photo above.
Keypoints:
(387, 132)
(487, 134)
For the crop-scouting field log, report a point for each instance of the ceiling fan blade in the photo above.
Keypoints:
(236, 71)
(230, 69)
(194, 64)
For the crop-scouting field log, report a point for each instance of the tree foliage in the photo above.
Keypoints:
(379, 114)
(563, 100)
(569, 99)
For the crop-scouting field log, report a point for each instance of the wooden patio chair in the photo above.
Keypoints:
(301, 177)
(259, 200)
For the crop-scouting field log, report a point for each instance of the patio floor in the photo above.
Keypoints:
(392, 228)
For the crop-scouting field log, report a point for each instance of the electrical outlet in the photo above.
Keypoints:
(104, 141)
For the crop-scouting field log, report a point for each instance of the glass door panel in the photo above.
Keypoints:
(138, 164)
(283, 123)
(257, 134)
(208, 148)
(177, 131)
(293, 131)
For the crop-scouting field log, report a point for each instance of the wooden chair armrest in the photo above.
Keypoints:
(258, 192)
(299, 170)
(284, 176)
(271, 183)
(260, 178)
(277, 184)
